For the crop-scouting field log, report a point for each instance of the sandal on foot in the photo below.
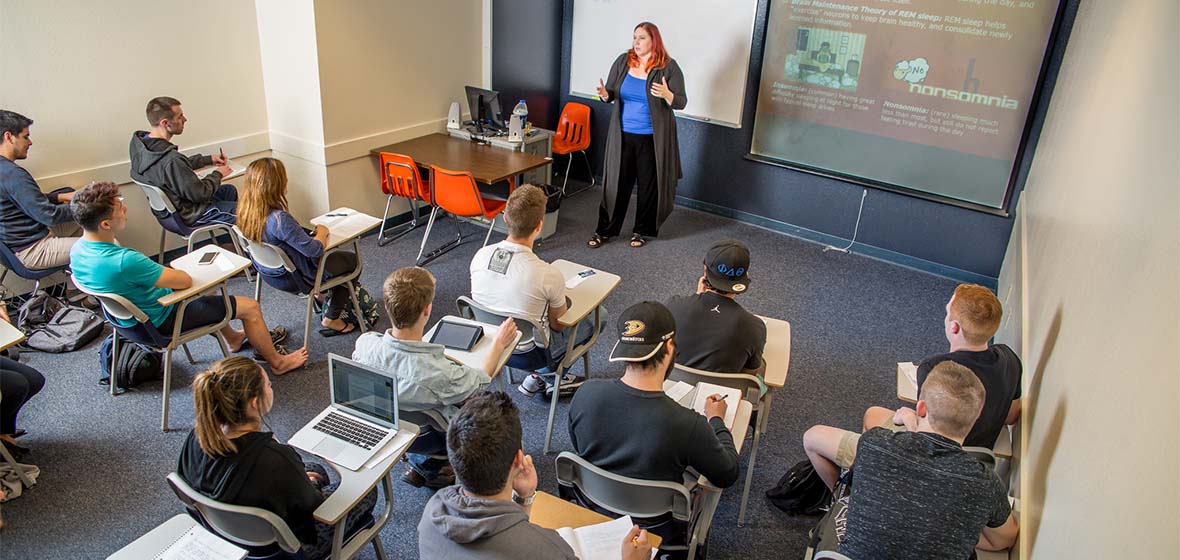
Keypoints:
(596, 241)
(637, 240)
(329, 332)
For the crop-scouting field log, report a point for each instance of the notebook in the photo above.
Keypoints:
(236, 170)
(199, 544)
(732, 396)
(601, 541)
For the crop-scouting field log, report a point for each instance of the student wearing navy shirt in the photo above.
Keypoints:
(263, 216)
(641, 146)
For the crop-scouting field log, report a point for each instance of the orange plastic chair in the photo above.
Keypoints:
(573, 135)
(456, 193)
(400, 178)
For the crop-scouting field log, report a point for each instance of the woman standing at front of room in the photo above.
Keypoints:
(645, 85)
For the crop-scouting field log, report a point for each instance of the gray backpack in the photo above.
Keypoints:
(52, 325)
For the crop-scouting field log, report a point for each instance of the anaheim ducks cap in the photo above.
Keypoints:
(643, 327)
(727, 266)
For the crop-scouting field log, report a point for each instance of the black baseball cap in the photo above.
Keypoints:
(727, 266)
(643, 327)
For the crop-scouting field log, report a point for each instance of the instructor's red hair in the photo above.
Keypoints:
(659, 55)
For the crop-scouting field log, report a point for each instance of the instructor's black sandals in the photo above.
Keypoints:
(637, 240)
(596, 241)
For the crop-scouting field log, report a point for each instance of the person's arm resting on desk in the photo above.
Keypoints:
(174, 279)
(503, 340)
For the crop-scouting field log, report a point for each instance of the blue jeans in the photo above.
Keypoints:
(222, 209)
(423, 453)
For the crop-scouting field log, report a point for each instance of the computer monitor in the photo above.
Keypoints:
(485, 108)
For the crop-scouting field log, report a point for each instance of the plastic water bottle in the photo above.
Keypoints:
(521, 112)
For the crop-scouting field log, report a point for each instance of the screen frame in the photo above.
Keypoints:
(1023, 151)
(476, 333)
(335, 359)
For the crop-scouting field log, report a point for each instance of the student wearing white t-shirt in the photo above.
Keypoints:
(509, 278)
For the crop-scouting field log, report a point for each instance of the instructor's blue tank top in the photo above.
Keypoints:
(636, 116)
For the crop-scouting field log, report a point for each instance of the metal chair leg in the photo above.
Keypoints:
(163, 237)
(258, 289)
(379, 548)
(188, 354)
(553, 407)
(491, 226)
(114, 363)
(568, 162)
(307, 321)
(429, 226)
(381, 240)
(167, 388)
(20, 473)
(222, 343)
(589, 168)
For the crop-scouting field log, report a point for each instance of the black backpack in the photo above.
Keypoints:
(136, 364)
(801, 491)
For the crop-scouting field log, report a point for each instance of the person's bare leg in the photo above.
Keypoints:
(821, 444)
(250, 314)
(234, 338)
(877, 416)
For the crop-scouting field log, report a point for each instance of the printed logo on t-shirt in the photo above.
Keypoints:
(500, 260)
(716, 309)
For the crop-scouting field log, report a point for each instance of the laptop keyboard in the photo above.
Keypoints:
(347, 429)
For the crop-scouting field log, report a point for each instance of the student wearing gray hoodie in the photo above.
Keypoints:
(155, 160)
(486, 516)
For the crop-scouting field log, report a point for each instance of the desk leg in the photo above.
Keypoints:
(315, 289)
(561, 369)
(759, 427)
(356, 303)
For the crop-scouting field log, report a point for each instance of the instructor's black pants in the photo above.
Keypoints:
(637, 165)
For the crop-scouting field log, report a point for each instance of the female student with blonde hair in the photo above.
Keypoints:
(263, 216)
(229, 457)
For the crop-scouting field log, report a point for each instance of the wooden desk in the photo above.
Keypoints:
(354, 485)
(585, 298)
(205, 276)
(552, 512)
(777, 353)
(479, 353)
(487, 163)
(345, 225)
(10, 335)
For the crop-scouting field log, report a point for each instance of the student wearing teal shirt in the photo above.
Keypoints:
(101, 265)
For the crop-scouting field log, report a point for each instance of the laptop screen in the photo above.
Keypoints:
(368, 392)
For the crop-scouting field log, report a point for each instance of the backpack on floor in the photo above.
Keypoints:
(136, 364)
(368, 306)
(52, 325)
(829, 532)
(801, 491)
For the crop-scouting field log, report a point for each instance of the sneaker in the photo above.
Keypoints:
(569, 384)
(281, 349)
(532, 385)
(445, 477)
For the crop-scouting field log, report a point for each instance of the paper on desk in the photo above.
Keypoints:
(910, 370)
(732, 396)
(390, 448)
(334, 217)
(199, 544)
(676, 390)
(223, 264)
(601, 541)
(235, 169)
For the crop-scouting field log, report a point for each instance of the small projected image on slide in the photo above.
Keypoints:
(826, 58)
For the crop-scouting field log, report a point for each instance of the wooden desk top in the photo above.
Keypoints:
(777, 352)
(552, 512)
(586, 296)
(355, 484)
(10, 335)
(488, 164)
(344, 225)
(205, 276)
(476, 356)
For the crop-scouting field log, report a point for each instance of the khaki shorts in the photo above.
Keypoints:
(846, 452)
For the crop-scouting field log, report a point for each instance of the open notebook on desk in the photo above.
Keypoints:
(236, 170)
(199, 544)
(601, 541)
(694, 397)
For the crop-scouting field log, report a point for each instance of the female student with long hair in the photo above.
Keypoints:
(263, 216)
(645, 85)
(229, 457)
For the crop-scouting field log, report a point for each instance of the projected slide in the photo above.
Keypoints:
(926, 95)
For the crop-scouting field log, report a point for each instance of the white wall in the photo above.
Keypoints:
(1100, 286)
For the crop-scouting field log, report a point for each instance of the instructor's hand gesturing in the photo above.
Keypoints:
(601, 91)
(660, 89)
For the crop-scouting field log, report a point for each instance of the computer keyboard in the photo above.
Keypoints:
(347, 429)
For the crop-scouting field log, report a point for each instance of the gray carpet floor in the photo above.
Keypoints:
(104, 459)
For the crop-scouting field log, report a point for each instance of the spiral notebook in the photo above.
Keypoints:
(199, 544)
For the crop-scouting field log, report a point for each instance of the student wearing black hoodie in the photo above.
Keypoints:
(486, 516)
(155, 160)
(229, 458)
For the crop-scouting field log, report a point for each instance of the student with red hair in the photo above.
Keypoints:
(645, 85)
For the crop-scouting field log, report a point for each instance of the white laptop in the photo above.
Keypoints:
(361, 419)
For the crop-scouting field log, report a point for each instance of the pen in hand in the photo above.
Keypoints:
(222, 152)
